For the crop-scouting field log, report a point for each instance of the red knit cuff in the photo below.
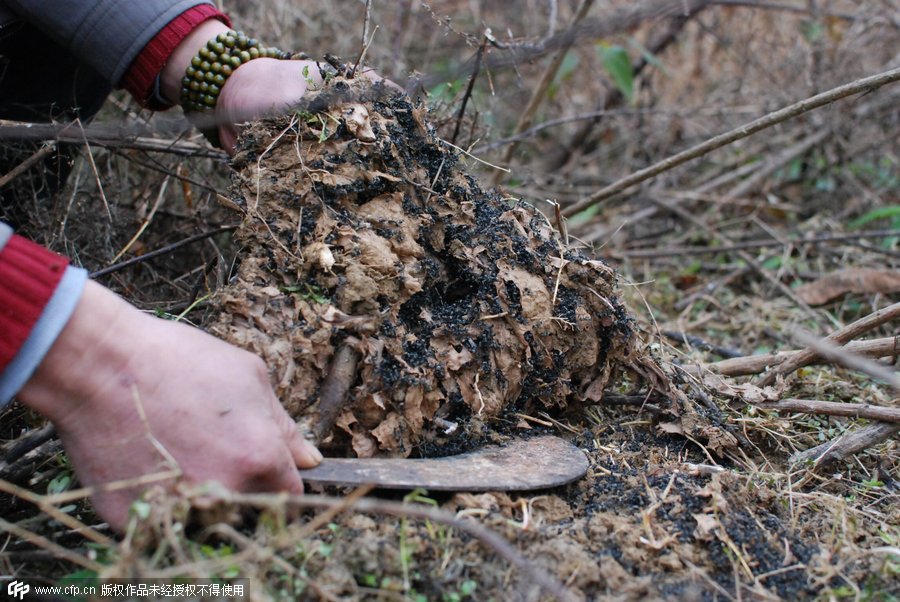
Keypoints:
(140, 79)
(29, 275)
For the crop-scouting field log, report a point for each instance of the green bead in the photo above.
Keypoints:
(222, 37)
(195, 85)
(252, 42)
(189, 72)
(219, 80)
(229, 41)
(205, 53)
(214, 90)
(210, 76)
(216, 67)
(205, 65)
(254, 53)
(198, 75)
(195, 62)
(209, 101)
(235, 62)
(227, 70)
(204, 87)
(218, 48)
(245, 56)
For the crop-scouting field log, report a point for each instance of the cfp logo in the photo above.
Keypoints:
(17, 589)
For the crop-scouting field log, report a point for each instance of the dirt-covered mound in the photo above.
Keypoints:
(393, 298)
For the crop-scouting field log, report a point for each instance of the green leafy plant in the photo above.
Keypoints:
(307, 292)
(890, 212)
(564, 73)
(618, 65)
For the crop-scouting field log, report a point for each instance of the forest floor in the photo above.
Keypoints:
(763, 246)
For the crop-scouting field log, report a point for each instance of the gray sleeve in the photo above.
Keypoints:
(6, 233)
(53, 319)
(105, 34)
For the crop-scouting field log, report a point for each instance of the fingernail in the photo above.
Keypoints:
(314, 454)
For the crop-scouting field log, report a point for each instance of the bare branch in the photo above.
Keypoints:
(833, 408)
(22, 167)
(839, 337)
(847, 444)
(375, 506)
(866, 84)
(841, 356)
(754, 364)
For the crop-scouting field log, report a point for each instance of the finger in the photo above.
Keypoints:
(290, 480)
(282, 477)
(304, 453)
(227, 139)
(113, 510)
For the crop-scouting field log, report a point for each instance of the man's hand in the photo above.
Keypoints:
(256, 89)
(132, 395)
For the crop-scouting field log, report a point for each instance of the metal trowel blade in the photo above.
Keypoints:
(522, 465)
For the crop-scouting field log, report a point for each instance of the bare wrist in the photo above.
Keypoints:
(89, 352)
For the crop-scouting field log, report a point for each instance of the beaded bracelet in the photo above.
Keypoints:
(210, 68)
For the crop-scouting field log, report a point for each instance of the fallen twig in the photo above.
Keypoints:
(847, 444)
(839, 337)
(833, 408)
(55, 513)
(846, 359)
(375, 506)
(22, 167)
(782, 7)
(335, 389)
(866, 84)
(30, 441)
(163, 251)
(754, 244)
(754, 364)
(58, 551)
(769, 166)
(107, 136)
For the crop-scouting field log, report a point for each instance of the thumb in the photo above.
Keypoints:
(304, 453)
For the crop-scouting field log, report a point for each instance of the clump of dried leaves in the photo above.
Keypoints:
(394, 298)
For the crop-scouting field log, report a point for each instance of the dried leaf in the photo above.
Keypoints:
(851, 280)
(671, 428)
(356, 116)
(706, 525)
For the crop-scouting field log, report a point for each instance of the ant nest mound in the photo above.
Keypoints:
(401, 308)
